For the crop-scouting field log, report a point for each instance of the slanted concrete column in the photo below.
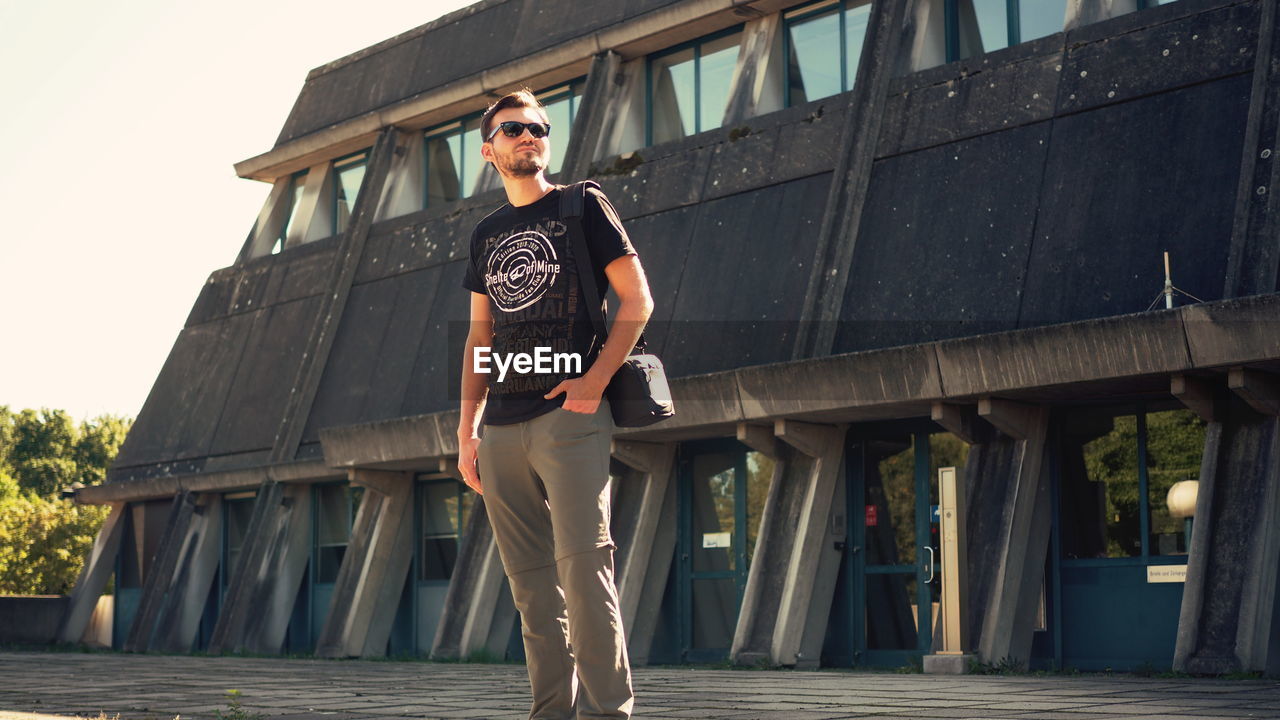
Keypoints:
(925, 45)
(644, 529)
(306, 382)
(272, 216)
(159, 577)
(756, 87)
(371, 580)
(1229, 611)
(1009, 516)
(478, 613)
(93, 577)
(264, 584)
(592, 117)
(787, 601)
(184, 603)
(855, 152)
(623, 106)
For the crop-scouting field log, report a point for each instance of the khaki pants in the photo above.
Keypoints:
(546, 491)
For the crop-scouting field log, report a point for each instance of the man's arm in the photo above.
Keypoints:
(475, 389)
(635, 305)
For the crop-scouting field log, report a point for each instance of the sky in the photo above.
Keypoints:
(121, 122)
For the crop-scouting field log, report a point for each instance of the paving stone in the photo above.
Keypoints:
(310, 689)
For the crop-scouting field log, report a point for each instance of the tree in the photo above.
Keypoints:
(43, 542)
(44, 539)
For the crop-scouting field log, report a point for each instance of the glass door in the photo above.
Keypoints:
(722, 488)
(887, 600)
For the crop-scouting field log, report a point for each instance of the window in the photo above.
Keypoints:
(444, 506)
(562, 107)
(348, 173)
(823, 47)
(689, 86)
(980, 26)
(453, 161)
(335, 512)
(1117, 473)
(237, 509)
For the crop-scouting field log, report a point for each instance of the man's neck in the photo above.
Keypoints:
(523, 191)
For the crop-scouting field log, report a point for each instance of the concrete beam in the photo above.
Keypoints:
(271, 218)
(758, 57)
(592, 116)
(1077, 352)
(368, 588)
(405, 188)
(1260, 390)
(1196, 394)
(1080, 360)
(646, 540)
(214, 482)
(850, 180)
(264, 583)
(1253, 250)
(98, 568)
(473, 602)
(806, 559)
(962, 421)
(419, 439)
(1015, 419)
(306, 383)
(277, 575)
(1228, 622)
(184, 604)
(759, 438)
(160, 573)
(1007, 489)
(311, 221)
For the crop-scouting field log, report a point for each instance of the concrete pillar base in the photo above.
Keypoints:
(948, 664)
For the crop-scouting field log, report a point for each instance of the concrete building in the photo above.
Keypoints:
(883, 238)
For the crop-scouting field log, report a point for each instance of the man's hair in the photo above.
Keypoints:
(520, 98)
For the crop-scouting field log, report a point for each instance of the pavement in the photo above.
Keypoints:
(44, 685)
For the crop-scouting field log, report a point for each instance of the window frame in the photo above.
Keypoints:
(808, 11)
(573, 90)
(696, 44)
(1013, 16)
(353, 495)
(442, 131)
(1140, 411)
(421, 483)
(335, 167)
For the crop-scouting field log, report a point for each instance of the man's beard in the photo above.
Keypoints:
(520, 165)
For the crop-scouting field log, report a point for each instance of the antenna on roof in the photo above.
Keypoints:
(1169, 288)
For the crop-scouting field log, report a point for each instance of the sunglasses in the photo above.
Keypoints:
(514, 129)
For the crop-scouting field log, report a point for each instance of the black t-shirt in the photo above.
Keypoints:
(522, 259)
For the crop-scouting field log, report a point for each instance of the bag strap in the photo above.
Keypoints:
(572, 204)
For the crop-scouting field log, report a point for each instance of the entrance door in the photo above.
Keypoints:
(721, 488)
(712, 548)
(890, 581)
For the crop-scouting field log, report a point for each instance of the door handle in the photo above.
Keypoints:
(930, 549)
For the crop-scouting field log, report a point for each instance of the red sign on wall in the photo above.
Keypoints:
(872, 516)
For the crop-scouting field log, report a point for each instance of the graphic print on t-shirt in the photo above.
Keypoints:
(520, 270)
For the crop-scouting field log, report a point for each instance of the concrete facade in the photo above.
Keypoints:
(960, 247)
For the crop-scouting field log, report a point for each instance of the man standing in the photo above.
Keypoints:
(543, 465)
